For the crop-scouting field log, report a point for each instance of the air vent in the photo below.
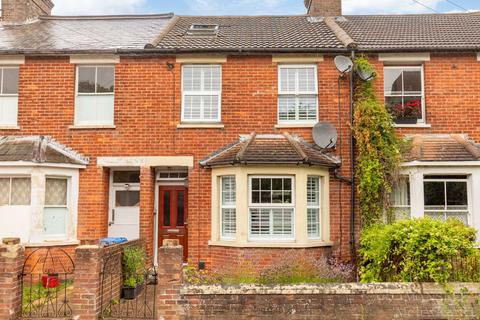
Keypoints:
(203, 30)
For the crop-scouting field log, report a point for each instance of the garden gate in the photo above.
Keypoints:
(114, 302)
(47, 284)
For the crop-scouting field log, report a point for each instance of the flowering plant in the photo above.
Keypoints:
(411, 109)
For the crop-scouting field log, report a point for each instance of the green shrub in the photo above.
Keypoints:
(418, 250)
(133, 266)
(379, 149)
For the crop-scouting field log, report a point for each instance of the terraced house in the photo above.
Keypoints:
(200, 128)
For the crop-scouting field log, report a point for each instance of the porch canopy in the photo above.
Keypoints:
(264, 149)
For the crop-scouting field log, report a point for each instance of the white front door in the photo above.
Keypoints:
(124, 218)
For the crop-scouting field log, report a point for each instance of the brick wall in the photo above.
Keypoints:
(98, 278)
(147, 111)
(11, 263)
(337, 301)
(21, 10)
(382, 301)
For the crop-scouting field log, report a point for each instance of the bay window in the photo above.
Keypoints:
(446, 197)
(297, 94)
(9, 79)
(271, 208)
(404, 93)
(55, 216)
(201, 93)
(94, 104)
(228, 207)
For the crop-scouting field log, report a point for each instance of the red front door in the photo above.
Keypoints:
(173, 216)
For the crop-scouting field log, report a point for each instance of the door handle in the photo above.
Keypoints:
(113, 217)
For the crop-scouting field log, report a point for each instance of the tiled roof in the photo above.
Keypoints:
(453, 147)
(64, 34)
(414, 32)
(253, 33)
(270, 149)
(38, 149)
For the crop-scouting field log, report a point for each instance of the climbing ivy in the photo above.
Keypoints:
(378, 149)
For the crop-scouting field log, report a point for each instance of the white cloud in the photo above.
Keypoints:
(388, 6)
(93, 7)
(239, 7)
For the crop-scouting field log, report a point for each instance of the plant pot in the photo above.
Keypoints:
(406, 121)
(50, 281)
(129, 293)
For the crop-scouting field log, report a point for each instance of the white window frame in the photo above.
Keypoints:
(297, 94)
(64, 235)
(445, 210)
(95, 94)
(271, 206)
(228, 207)
(11, 177)
(316, 207)
(10, 95)
(202, 93)
(422, 75)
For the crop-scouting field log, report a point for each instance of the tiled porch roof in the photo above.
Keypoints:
(270, 149)
(38, 149)
(451, 147)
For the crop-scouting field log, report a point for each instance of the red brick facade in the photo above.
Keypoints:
(147, 112)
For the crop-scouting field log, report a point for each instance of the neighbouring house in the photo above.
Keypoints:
(200, 128)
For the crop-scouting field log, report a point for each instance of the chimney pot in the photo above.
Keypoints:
(21, 11)
(324, 8)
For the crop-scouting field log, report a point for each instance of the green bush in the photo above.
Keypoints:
(418, 250)
(133, 266)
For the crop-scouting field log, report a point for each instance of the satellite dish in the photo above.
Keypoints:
(343, 64)
(365, 75)
(325, 135)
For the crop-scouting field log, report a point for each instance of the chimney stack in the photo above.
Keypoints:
(324, 8)
(21, 11)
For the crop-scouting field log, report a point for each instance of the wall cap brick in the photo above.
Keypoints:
(331, 288)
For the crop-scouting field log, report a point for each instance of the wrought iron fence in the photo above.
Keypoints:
(119, 302)
(47, 284)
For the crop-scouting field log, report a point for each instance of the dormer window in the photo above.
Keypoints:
(203, 30)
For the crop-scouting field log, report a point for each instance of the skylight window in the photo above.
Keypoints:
(203, 30)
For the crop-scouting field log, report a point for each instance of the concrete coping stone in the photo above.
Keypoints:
(332, 288)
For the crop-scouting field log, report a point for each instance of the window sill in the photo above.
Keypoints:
(6, 127)
(52, 243)
(200, 126)
(418, 125)
(92, 127)
(294, 125)
(267, 244)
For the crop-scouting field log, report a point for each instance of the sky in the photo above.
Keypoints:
(253, 7)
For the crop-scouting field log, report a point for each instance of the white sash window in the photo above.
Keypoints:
(297, 94)
(201, 93)
(9, 79)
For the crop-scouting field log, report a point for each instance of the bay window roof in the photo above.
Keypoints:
(271, 149)
(38, 149)
(442, 147)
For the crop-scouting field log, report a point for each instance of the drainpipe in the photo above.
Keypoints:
(352, 169)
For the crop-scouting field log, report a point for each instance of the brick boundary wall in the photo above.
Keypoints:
(382, 301)
(11, 263)
(89, 259)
